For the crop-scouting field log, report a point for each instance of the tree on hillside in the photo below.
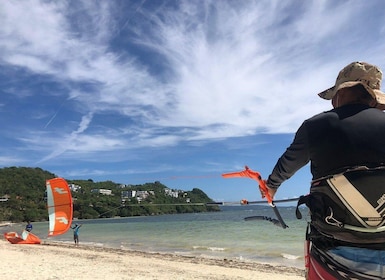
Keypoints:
(23, 190)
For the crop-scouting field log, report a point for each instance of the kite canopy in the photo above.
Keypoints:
(59, 203)
(25, 238)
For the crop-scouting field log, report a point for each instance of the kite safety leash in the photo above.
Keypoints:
(248, 173)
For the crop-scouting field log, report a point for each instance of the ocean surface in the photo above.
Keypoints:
(224, 234)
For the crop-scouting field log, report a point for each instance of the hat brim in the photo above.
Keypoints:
(328, 94)
(380, 98)
(378, 95)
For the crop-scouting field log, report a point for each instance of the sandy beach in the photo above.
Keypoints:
(54, 260)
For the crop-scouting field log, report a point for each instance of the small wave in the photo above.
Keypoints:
(216, 249)
(208, 248)
(290, 257)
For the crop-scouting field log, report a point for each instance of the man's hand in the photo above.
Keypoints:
(270, 191)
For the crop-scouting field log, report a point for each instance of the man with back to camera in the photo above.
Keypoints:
(351, 135)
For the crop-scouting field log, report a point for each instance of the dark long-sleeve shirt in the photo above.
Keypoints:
(348, 136)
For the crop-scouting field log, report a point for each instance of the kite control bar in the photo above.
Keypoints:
(248, 173)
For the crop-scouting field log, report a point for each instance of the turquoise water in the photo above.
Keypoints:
(222, 234)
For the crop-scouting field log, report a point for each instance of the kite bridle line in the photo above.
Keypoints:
(263, 187)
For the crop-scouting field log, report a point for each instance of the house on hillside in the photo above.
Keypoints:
(102, 191)
(74, 188)
(171, 193)
(4, 198)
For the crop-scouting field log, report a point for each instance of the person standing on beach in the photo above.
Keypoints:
(351, 135)
(76, 233)
(28, 227)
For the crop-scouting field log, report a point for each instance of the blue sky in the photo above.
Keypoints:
(173, 91)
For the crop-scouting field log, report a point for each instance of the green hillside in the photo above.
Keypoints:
(22, 197)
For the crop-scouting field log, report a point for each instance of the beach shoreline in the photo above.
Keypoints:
(57, 260)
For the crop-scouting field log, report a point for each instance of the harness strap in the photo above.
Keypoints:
(303, 199)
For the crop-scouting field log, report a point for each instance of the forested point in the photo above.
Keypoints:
(23, 197)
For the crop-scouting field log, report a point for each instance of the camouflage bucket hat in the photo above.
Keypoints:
(355, 73)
